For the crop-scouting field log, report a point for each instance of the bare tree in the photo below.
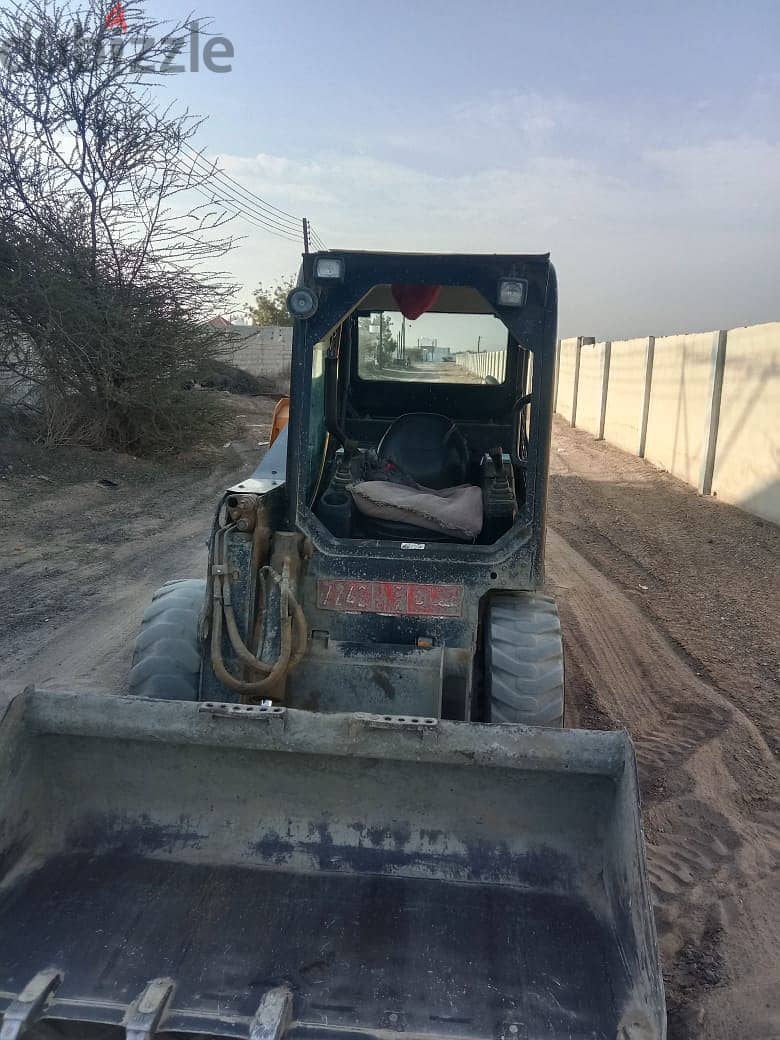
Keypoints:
(107, 259)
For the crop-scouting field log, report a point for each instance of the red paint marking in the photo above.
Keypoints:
(115, 19)
(389, 597)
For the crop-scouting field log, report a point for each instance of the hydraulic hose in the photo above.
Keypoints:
(518, 433)
(243, 652)
(292, 626)
(292, 611)
(300, 632)
(248, 689)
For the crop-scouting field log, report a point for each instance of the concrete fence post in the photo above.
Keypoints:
(648, 382)
(605, 362)
(712, 415)
(557, 374)
(577, 356)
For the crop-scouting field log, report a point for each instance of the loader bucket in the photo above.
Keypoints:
(181, 870)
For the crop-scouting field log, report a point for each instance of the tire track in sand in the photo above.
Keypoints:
(710, 794)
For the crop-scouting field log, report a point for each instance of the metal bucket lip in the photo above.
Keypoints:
(405, 738)
(605, 757)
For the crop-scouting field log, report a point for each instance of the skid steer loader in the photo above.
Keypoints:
(339, 801)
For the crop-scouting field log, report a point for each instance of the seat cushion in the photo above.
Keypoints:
(454, 511)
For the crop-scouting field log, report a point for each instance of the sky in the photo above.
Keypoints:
(638, 143)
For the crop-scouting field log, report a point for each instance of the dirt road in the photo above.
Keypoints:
(670, 617)
(87, 537)
(670, 631)
(423, 372)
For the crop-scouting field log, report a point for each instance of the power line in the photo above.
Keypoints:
(219, 197)
(225, 196)
(315, 237)
(244, 204)
(253, 197)
(245, 201)
(317, 240)
(234, 211)
(250, 218)
(268, 222)
(270, 205)
(234, 204)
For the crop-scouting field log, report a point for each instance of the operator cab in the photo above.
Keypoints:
(416, 408)
(423, 442)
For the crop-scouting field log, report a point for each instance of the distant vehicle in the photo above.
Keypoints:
(449, 357)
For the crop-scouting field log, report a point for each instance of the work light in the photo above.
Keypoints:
(302, 302)
(512, 292)
(329, 269)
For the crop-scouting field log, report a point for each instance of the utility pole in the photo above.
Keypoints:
(305, 235)
(479, 340)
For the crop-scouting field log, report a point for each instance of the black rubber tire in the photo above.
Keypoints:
(524, 661)
(167, 656)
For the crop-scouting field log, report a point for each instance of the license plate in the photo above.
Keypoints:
(389, 597)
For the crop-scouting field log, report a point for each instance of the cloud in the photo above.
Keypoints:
(724, 181)
(530, 114)
(654, 238)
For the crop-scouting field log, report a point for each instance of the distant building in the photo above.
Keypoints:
(435, 353)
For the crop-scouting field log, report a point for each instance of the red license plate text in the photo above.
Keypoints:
(389, 597)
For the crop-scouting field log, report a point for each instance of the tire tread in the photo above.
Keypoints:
(524, 661)
(167, 656)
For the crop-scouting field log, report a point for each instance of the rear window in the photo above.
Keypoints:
(435, 348)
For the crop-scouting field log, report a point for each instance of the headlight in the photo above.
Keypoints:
(302, 302)
(512, 292)
(329, 269)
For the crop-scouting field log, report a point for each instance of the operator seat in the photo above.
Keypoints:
(430, 449)
(427, 447)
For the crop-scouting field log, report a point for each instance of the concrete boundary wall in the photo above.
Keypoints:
(589, 387)
(265, 351)
(567, 363)
(678, 404)
(625, 394)
(704, 406)
(488, 363)
(746, 462)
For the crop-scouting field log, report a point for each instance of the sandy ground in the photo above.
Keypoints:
(79, 560)
(670, 631)
(670, 613)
